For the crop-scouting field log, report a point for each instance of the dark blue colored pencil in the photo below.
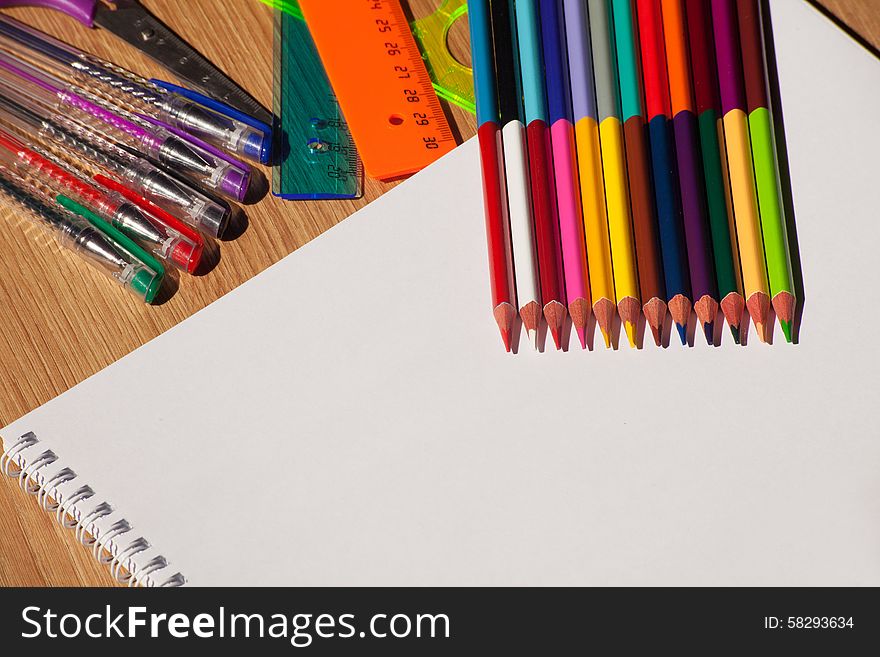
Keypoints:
(672, 244)
(555, 63)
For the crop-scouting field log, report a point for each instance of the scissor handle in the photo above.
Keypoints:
(81, 10)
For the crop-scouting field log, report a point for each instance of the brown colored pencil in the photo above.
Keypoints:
(652, 285)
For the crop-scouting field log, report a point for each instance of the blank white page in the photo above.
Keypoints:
(355, 420)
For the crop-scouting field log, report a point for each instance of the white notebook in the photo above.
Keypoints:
(356, 421)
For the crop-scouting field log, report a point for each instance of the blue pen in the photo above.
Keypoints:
(264, 145)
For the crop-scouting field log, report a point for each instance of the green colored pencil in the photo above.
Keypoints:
(705, 82)
(776, 252)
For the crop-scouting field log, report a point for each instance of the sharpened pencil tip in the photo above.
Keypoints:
(582, 336)
(631, 334)
(655, 315)
(759, 329)
(533, 337)
(557, 337)
(505, 337)
(607, 337)
(786, 329)
(554, 313)
(504, 315)
(709, 332)
(682, 333)
(734, 331)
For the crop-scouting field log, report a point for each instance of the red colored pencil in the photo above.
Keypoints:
(497, 231)
(546, 228)
(494, 186)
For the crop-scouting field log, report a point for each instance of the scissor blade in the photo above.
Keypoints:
(130, 21)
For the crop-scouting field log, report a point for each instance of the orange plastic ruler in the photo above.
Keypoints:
(381, 82)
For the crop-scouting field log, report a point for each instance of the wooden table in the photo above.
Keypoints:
(63, 322)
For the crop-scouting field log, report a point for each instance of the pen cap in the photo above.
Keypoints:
(175, 195)
(220, 130)
(155, 235)
(184, 246)
(200, 161)
(261, 138)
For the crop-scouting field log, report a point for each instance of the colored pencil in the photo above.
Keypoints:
(689, 157)
(638, 162)
(531, 67)
(739, 159)
(666, 187)
(568, 201)
(589, 159)
(516, 171)
(623, 259)
(776, 251)
(705, 81)
(494, 187)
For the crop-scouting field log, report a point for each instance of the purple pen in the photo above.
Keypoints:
(234, 186)
(158, 143)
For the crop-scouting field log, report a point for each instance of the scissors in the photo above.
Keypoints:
(130, 21)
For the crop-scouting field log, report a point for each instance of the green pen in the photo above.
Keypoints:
(141, 275)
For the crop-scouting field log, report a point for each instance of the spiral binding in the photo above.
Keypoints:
(113, 546)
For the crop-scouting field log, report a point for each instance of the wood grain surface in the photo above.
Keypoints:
(63, 322)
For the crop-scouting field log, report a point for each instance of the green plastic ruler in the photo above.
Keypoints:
(317, 158)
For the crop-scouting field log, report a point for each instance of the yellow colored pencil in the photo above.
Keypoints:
(748, 222)
(589, 156)
(626, 282)
(623, 257)
(738, 144)
(596, 224)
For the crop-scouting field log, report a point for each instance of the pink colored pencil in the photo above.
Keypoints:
(565, 171)
(571, 227)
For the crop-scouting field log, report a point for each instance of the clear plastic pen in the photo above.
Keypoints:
(124, 87)
(159, 144)
(50, 179)
(70, 140)
(120, 260)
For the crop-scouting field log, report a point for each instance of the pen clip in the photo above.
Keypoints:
(226, 110)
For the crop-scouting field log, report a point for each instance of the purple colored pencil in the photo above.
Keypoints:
(580, 62)
(701, 263)
(728, 57)
(689, 157)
